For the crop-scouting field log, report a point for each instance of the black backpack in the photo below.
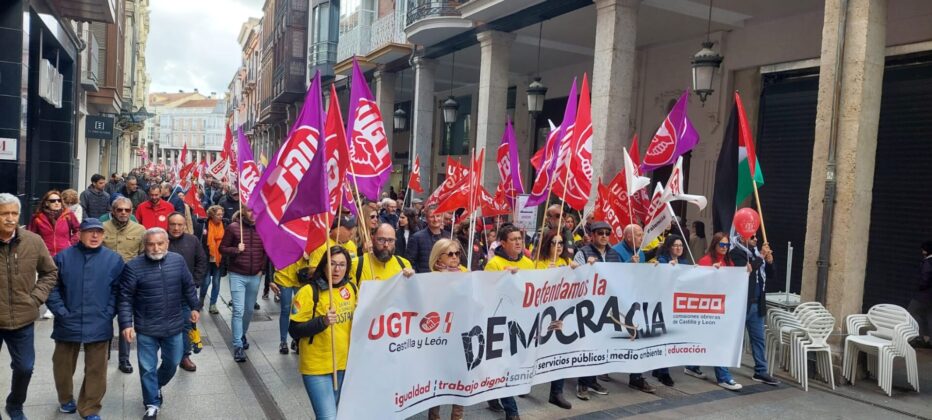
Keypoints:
(360, 264)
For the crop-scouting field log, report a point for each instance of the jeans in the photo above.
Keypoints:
(212, 280)
(721, 373)
(20, 344)
(324, 398)
(286, 296)
(243, 290)
(510, 406)
(186, 340)
(152, 380)
(755, 326)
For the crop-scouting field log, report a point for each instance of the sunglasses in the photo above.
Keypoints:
(54, 200)
(723, 244)
(122, 210)
(451, 254)
(372, 216)
(602, 233)
(556, 242)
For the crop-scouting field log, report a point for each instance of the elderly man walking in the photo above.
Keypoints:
(153, 289)
(189, 247)
(124, 237)
(84, 304)
(27, 275)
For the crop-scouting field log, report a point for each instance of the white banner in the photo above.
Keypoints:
(464, 338)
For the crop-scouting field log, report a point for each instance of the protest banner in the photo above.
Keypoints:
(464, 338)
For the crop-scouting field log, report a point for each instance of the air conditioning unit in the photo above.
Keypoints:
(50, 83)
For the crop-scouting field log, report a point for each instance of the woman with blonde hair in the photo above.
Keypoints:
(70, 198)
(445, 257)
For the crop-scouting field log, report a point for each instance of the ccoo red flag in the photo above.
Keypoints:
(573, 179)
(415, 182)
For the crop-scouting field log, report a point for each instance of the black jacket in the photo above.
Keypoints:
(610, 255)
(230, 206)
(419, 246)
(401, 244)
(925, 280)
(755, 282)
(152, 294)
(189, 247)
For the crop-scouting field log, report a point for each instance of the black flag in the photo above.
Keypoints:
(726, 177)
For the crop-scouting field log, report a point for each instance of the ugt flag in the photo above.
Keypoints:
(573, 179)
(370, 160)
(509, 167)
(553, 153)
(674, 138)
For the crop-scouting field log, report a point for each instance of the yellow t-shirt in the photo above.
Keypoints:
(314, 352)
(373, 269)
(498, 263)
(319, 252)
(544, 264)
(288, 276)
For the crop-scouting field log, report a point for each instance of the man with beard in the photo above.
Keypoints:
(124, 237)
(381, 263)
(153, 289)
(154, 213)
(132, 191)
(189, 247)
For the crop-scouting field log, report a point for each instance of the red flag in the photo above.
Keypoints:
(183, 158)
(494, 206)
(463, 195)
(457, 174)
(227, 152)
(607, 210)
(635, 151)
(415, 182)
(744, 136)
(190, 198)
(577, 170)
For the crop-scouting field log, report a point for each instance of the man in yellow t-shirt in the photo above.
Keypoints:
(381, 263)
(342, 236)
(510, 254)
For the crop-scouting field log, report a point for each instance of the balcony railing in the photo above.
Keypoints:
(420, 9)
(388, 30)
(324, 52)
(349, 45)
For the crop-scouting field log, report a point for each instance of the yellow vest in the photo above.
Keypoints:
(373, 269)
(314, 352)
(498, 263)
(544, 264)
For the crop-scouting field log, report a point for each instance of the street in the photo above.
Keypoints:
(268, 386)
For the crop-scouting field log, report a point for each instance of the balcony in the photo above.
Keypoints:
(90, 60)
(431, 21)
(385, 43)
(489, 10)
(103, 11)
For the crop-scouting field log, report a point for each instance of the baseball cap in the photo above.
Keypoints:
(347, 221)
(91, 223)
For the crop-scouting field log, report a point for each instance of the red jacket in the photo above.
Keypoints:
(63, 235)
(707, 261)
(154, 216)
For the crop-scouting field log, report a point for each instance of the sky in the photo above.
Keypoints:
(193, 43)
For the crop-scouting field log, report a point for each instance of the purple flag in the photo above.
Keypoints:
(509, 168)
(246, 168)
(541, 188)
(278, 186)
(370, 160)
(674, 138)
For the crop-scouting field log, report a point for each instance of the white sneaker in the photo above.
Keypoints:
(152, 413)
(731, 385)
(48, 315)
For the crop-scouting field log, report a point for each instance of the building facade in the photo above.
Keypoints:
(186, 118)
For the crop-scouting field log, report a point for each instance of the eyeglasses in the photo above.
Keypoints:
(385, 241)
(122, 210)
(451, 254)
(556, 242)
(337, 265)
(723, 244)
(54, 200)
(602, 233)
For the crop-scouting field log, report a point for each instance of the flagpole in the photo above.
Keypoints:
(365, 228)
(566, 178)
(333, 346)
(759, 210)
(682, 235)
(472, 214)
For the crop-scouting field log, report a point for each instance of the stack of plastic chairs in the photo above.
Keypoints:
(790, 336)
(889, 330)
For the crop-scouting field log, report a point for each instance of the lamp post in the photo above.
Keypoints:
(536, 93)
(705, 64)
(400, 118)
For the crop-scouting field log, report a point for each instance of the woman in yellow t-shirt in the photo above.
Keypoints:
(314, 320)
(445, 257)
(553, 253)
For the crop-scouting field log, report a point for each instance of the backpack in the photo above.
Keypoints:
(361, 260)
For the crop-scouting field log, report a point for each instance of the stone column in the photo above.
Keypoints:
(494, 49)
(612, 84)
(385, 98)
(422, 115)
(858, 114)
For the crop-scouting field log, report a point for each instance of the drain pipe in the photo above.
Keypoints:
(828, 202)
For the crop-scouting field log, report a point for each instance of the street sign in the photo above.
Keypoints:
(98, 127)
(7, 149)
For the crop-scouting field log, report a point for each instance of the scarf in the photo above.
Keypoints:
(53, 215)
(752, 253)
(214, 236)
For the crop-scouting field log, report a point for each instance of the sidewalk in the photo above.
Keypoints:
(268, 386)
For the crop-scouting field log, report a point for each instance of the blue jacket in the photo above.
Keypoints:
(84, 299)
(419, 246)
(152, 294)
(622, 249)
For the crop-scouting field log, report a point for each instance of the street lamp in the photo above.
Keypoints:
(705, 63)
(400, 118)
(536, 92)
(449, 107)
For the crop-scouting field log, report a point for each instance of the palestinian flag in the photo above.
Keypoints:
(733, 170)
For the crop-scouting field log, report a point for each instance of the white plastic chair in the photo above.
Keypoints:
(890, 329)
(782, 328)
(817, 329)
